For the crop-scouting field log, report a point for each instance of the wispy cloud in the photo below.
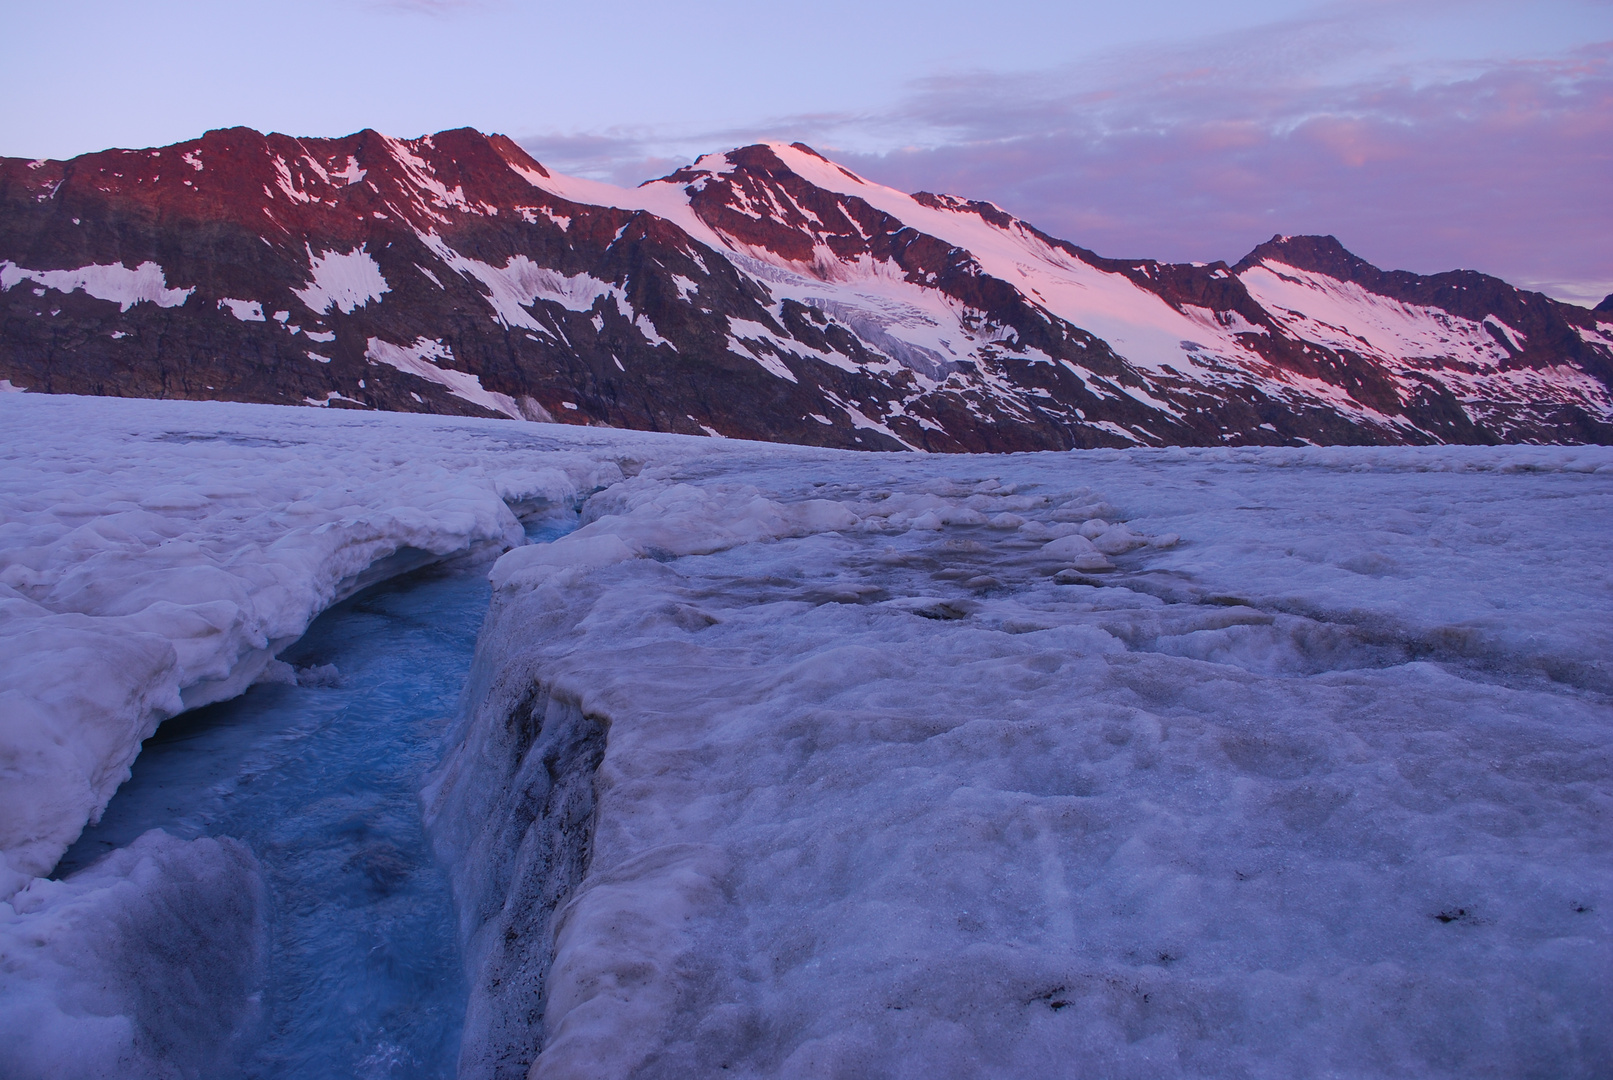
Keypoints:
(1202, 152)
(621, 156)
(427, 7)
(1503, 167)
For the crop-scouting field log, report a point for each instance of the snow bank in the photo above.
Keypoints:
(645, 518)
(1320, 788)
(142, 965)
(157, 556)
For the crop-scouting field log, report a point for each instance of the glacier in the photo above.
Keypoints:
(804, 763)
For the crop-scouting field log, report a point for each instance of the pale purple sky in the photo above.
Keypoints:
(1426, 134)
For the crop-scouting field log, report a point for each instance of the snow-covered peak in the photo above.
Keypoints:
(772, 182)
(1345, 315)
(957, 324)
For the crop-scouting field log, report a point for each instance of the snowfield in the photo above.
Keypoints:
(802, 763)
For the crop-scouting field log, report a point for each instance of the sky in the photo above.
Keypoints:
(1426, 135)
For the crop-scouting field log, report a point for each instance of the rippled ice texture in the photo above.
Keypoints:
(1322, 788)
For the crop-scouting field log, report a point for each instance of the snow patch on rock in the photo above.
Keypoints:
(512, 288)
(145, 284)
(245, 310)
(420, 359)
(343, 281)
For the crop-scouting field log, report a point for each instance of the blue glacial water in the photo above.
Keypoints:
(322, 782)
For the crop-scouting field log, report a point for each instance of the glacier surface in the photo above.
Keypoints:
(794, 762)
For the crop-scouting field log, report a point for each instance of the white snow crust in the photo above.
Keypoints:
(146, 283)
(918, 326)
(1343, 315)
(1315, 781)
(1138, 324)
(803, 763)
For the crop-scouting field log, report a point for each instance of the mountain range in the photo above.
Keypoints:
(762, 293)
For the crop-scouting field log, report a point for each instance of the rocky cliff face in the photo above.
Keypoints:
(763, 293)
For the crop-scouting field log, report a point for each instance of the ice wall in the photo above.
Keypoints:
(513, 809)
(515, 818)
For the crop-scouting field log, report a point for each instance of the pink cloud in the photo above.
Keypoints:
(1504, 168)
(1203, 153)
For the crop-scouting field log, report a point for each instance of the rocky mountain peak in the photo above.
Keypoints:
(765, 292)
(1323, 254)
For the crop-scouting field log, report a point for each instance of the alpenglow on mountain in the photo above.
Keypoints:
(763, 293)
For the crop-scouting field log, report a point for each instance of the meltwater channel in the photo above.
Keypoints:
(322, 780)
